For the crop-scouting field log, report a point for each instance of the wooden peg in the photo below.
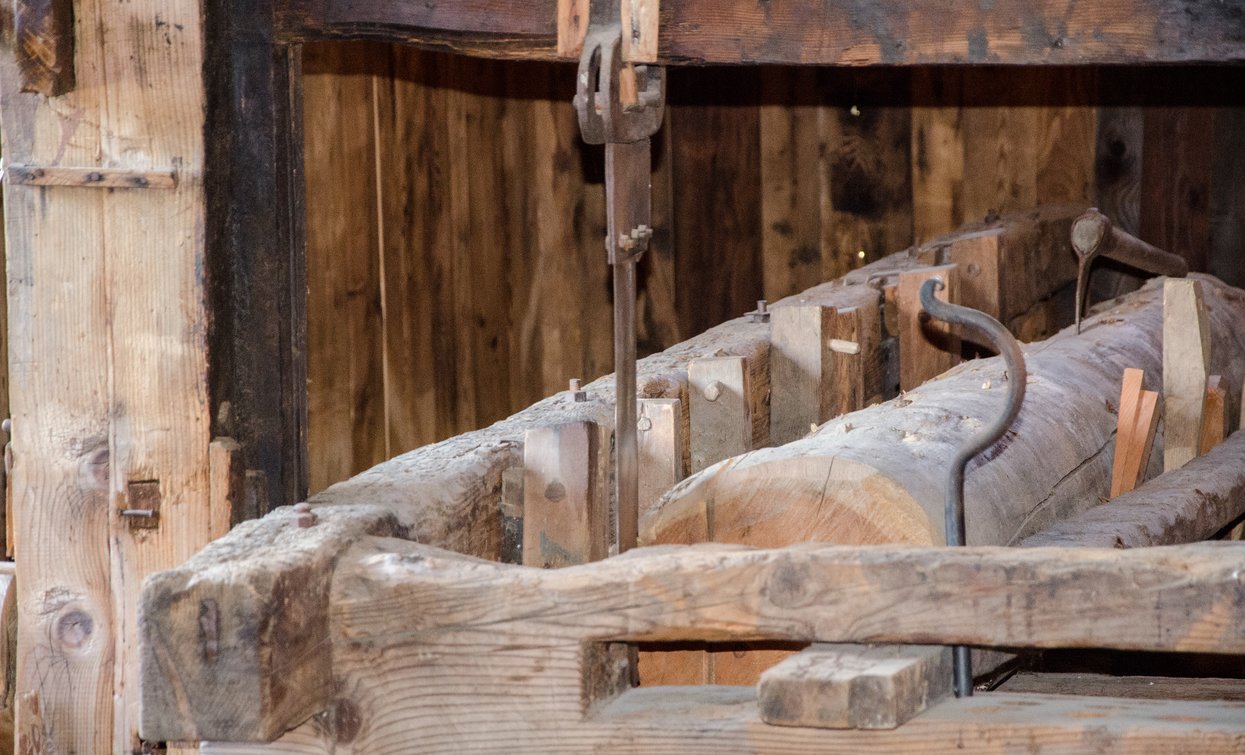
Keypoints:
(1125, 429)
(1214, 414)
(1186, 360)
(926, 348)
(565, 514)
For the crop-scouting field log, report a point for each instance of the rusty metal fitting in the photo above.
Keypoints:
(760, 314)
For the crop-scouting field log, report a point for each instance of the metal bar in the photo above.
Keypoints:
(993, 331)
(1093, 236)
(626, 479)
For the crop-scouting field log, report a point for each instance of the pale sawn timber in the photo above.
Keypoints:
(879, 475)
(407, 686)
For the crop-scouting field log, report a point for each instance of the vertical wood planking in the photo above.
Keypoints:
(565, 509)
(937, 151)
(346, 398)
(790, 127)
(866, 174)
(1177, 163)
(109, 364)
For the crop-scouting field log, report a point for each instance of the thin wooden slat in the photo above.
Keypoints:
(721, 411)
(853, 687)
(1125, 428)
(103, 178)
(1138, 458)
(1186, 360)
(1214, 414)
(926, 348)
(1165, 688)
(565, 514)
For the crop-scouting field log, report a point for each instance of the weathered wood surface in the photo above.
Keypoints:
(565, 495)
(1132, 687)
(1182, 506)
(471, 610)
(109, 358)
(725, 720)
(711, 31)
(1187, 350)
(854, 687)
(878, 475)
(44, 44)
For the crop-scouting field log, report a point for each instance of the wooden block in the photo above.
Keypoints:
(1142, 441)
(721, 412)
(852, 351)
(978, 257)
(1125, 426)
(1186, 360)
(227, 484)
(572, 27)
(854, 686)
(640, 28)
(660, 441)
(800, 370)
(1214, 414)
(926, 349)
(565, 516)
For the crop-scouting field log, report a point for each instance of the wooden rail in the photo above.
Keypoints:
(894, 32)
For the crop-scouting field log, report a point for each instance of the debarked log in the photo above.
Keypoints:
(879, 475)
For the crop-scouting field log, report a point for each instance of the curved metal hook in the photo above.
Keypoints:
(999, 337)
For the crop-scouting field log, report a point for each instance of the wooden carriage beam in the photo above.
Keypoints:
(887, 32)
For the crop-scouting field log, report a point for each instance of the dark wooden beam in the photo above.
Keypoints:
(888, 32)
(256, 256)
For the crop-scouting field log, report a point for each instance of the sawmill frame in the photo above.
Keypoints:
(220, 436)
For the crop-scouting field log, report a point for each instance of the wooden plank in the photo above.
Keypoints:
(712, 31)
(1137, 458)
(661, 443)
(565, 514)
(99, 416)
(640, 26)
(346, 392)
(717, 720)
(1133, 687)
(1125, 429)
(1214, 414)
(1185, 505)
(926, 349)
(43, 39)
(853, 687)
(1186, 359)
(790, 182)
(800, 369)
(102, 178)
(721, 409)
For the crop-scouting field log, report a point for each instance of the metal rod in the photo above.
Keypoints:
(993, 331)
(626, 478)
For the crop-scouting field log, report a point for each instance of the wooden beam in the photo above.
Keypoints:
(1182, 506)
(1166, 688)
(741, 31)
(1186, 361)
(854, 687)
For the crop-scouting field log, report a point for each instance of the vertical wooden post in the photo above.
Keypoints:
(1186, 361)
(721, 410)
(565, 511)
(925, 349)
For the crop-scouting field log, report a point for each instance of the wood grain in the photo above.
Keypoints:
(1126, 429)
(926, 348)
(565, 502)
(1186, 359)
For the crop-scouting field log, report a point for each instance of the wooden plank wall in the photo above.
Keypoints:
(455, 219)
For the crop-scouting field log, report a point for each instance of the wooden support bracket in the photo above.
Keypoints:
(101, 178)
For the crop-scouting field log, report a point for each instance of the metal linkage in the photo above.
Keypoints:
(993, 331)
(621, 106)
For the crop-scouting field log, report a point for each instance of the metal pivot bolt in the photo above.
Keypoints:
(577, 393)
(760, 314)
(989, 328)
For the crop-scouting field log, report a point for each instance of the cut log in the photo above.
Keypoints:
(878, 475)
(1182, 506)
